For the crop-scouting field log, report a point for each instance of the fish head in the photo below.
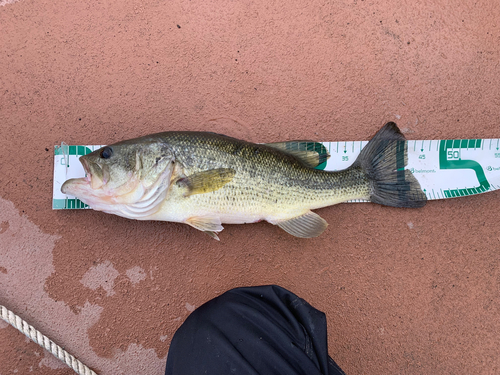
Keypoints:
(124, 175)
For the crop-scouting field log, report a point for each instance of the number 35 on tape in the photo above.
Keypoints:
(444, 168)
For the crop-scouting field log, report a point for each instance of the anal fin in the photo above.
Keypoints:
(307, 225)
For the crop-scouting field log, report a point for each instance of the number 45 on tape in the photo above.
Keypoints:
(444, 168)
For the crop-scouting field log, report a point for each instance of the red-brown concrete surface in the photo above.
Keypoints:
(405, 291)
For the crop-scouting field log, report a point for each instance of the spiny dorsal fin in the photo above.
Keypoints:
(206, 181)
(312, 154)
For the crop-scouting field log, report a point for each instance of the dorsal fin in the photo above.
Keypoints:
(312, 154)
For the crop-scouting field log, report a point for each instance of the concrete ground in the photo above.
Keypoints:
(405, 291)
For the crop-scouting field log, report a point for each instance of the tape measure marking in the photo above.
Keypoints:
(450, 158)
(444, 168)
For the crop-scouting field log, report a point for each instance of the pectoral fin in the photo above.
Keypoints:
(209, 225)
(310, 153)
(206, 181)
(305, 226)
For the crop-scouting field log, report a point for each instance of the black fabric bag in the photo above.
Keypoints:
(263, 330)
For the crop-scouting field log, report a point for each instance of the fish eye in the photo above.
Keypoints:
(106, 152)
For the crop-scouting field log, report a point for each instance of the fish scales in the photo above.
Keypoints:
(265, 178)
(206, 179)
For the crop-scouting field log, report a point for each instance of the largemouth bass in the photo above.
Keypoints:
(207, 179)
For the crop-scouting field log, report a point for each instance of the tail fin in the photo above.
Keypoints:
(383, 160)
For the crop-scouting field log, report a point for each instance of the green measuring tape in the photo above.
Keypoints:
(444, 168)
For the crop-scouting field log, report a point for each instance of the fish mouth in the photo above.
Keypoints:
(91, 181)
(81, 188)
(85, 164)
(74, 186)
(96, 175)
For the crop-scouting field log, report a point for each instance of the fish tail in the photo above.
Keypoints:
(383, 160)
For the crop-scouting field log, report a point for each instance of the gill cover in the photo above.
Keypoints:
(126, 179)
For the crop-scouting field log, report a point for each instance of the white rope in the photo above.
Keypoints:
(16, 322)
